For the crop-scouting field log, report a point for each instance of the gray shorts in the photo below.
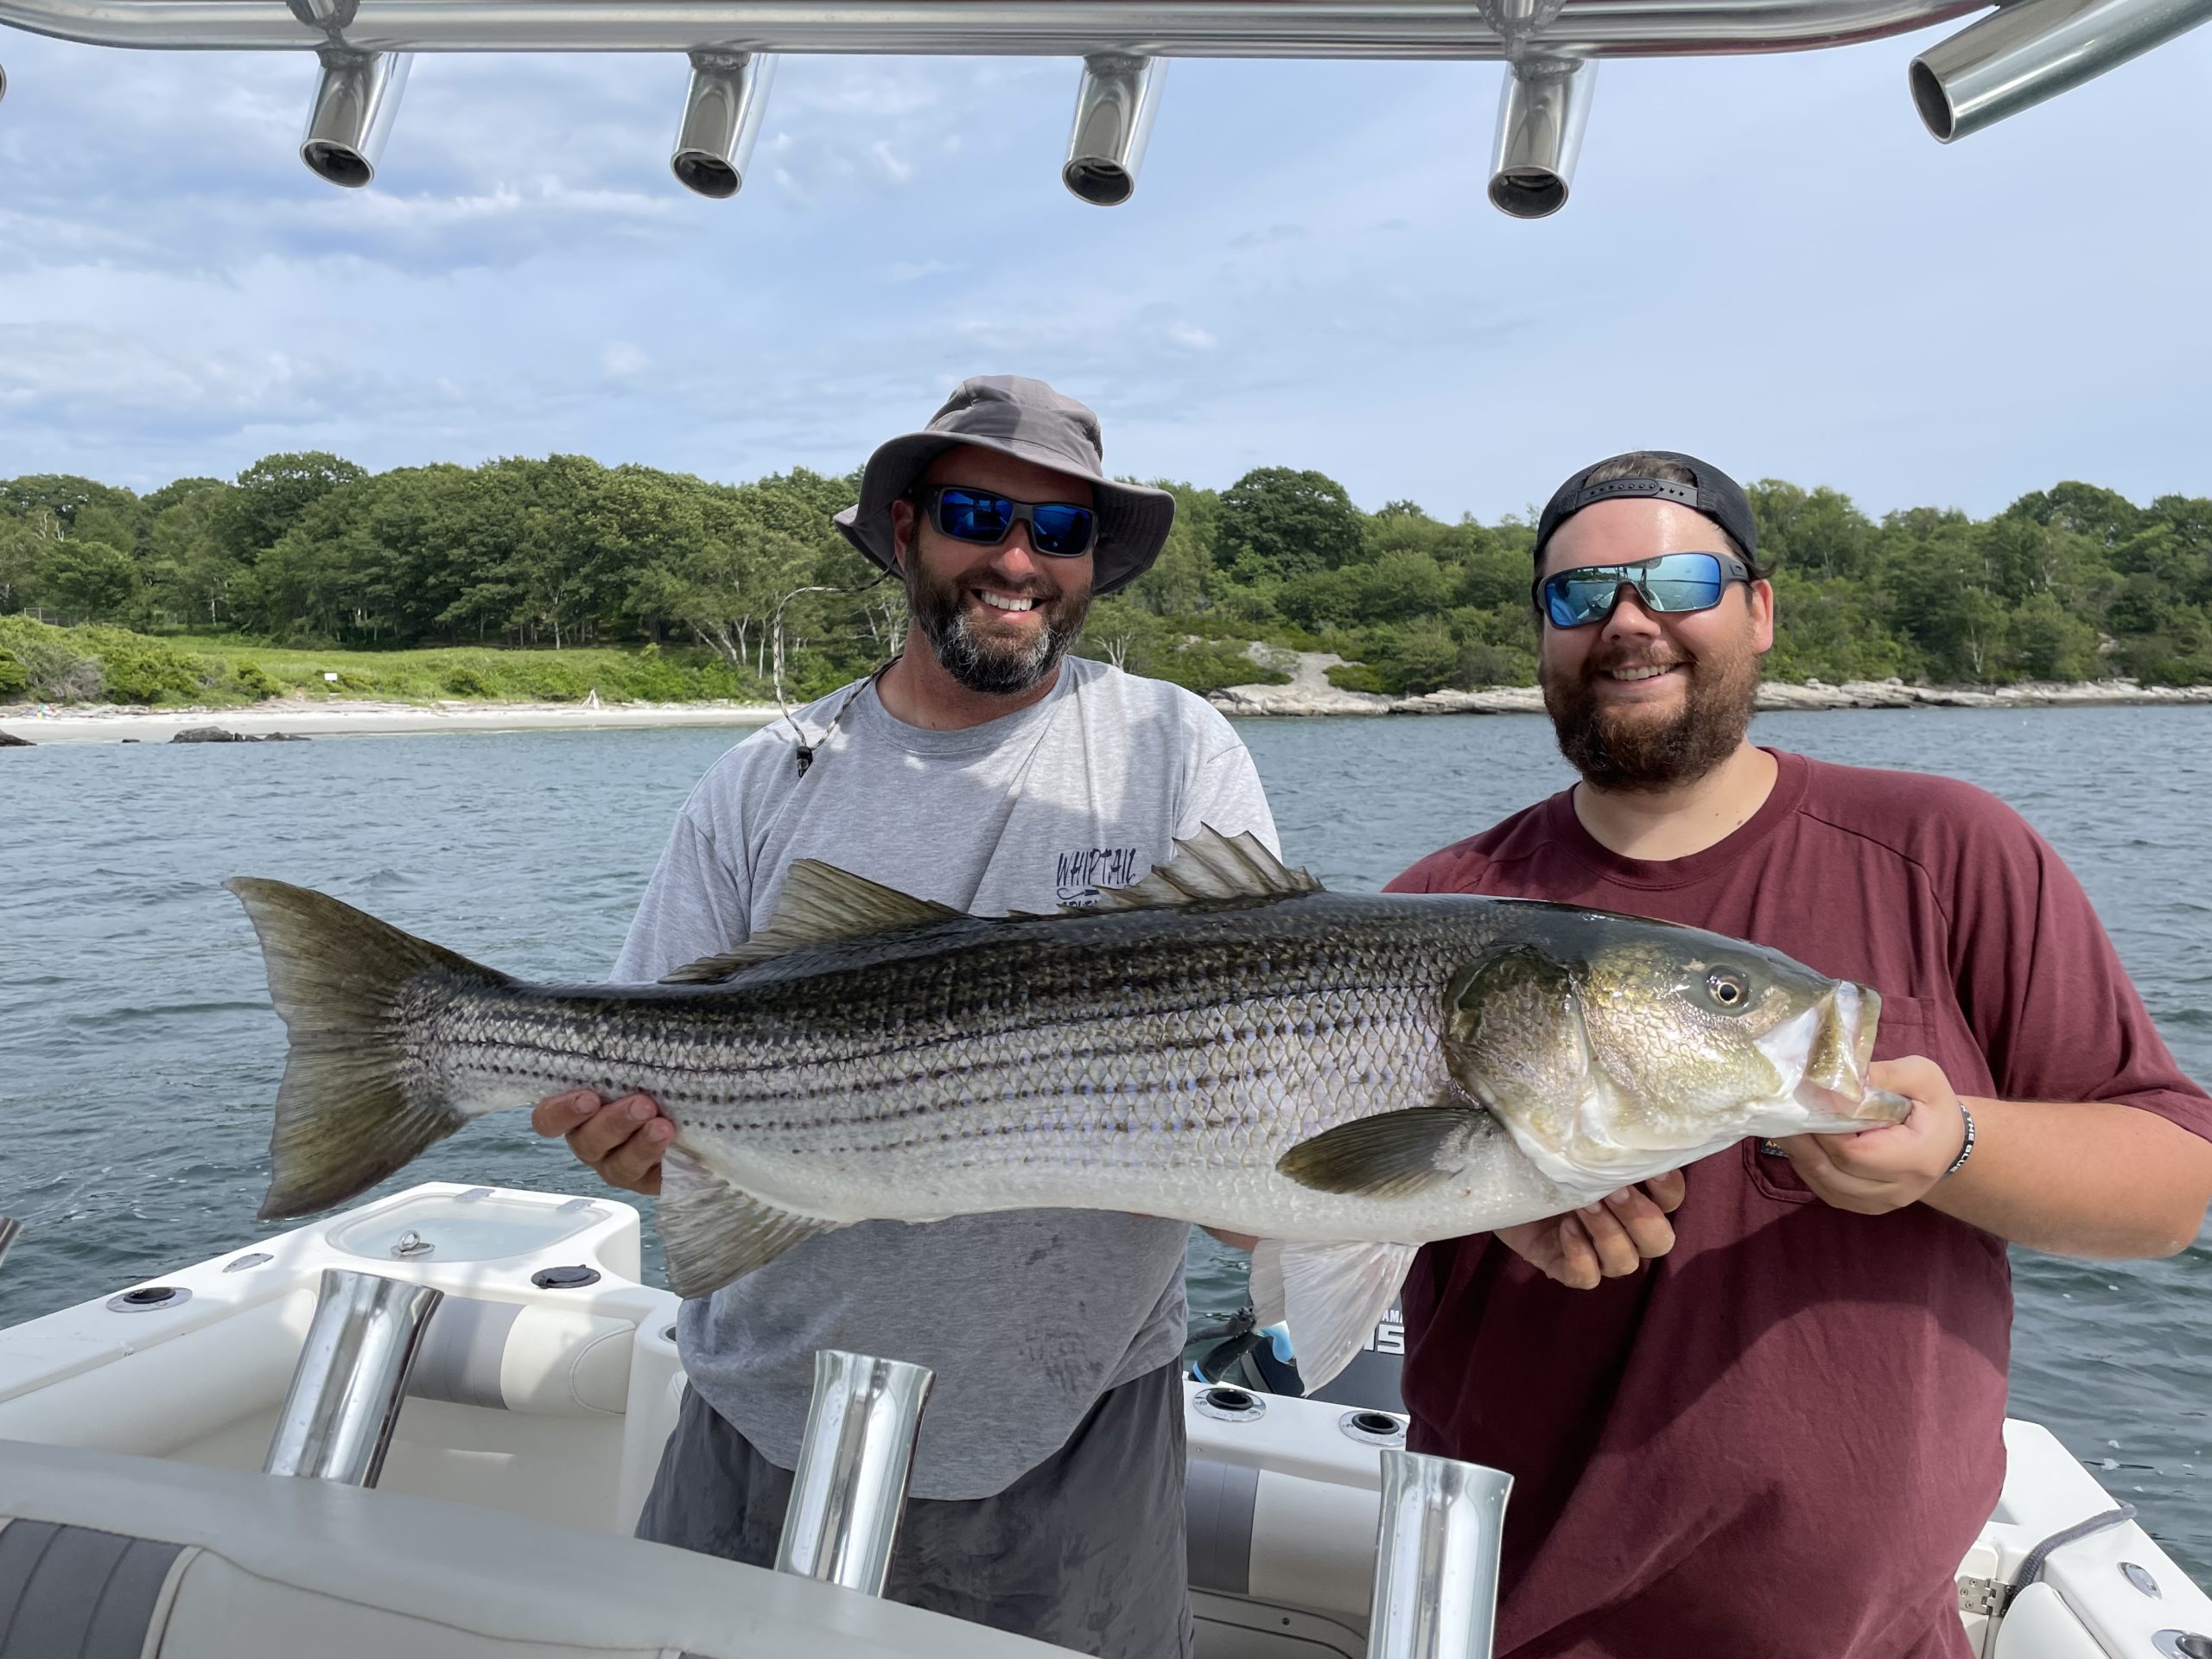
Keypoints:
(1086, 1550)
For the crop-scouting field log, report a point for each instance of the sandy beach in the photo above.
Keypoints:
(300, 717)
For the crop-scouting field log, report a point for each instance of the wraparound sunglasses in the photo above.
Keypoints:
(1058, 529)
(1669, 585)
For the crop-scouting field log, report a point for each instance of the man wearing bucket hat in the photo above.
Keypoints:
(1774, 1423)
(988, 769)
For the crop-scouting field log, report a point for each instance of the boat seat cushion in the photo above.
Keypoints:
(262, 1566)
(511, 1356)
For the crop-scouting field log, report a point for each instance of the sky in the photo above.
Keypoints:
(1766, 261)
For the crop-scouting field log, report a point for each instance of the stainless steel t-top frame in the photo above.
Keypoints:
(2020, 54)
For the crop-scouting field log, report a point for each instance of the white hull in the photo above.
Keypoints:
(519, 1465)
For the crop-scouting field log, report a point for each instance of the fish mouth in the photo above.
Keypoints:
(1829, 1049)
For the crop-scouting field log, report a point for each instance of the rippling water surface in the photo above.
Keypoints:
(138, 1055)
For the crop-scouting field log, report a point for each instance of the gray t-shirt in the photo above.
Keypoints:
(1025, 1316)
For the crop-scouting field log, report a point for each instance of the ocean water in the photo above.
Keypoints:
(138, 1055)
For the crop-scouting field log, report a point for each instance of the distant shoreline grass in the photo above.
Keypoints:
(90, 666)
(84, 665)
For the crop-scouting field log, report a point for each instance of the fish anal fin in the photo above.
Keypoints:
(1391, 1154)
(1208, 868)
(1333, 1296)
(818, 903)
(713, 1233)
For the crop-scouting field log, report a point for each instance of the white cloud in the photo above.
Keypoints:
(1764, 259)
(895, 167)
(915, 270)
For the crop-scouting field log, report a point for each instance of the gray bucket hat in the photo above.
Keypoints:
(1028, 420)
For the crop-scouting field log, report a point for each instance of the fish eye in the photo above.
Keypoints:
(1730, 991)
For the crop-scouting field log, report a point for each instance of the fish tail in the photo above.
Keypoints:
(353, 1107)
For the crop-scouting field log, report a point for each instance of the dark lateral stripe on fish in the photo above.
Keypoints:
(785, 1069)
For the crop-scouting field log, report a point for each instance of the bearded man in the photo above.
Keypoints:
(987, 769)
(1781, 1436)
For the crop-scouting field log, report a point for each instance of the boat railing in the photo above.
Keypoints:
(2024, 51)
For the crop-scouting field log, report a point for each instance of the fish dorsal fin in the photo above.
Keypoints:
(819, 903)
(1208, 868)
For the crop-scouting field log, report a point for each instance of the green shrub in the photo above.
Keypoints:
(137, 669)
(550, 680)
(1204, 667)
(465, 681)
(1357, 676)
(254, 681)
(1482, 664)
(14, 681)
(84, 664)
(652, 675)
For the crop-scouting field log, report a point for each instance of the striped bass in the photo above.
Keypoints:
(1344, 1076)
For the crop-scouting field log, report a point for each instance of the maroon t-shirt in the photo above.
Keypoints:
(1781, 1438)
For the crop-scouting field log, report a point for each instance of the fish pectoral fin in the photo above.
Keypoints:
(1209, 867)
(819, 903)
(1391, 1154)
(1333, 1296)
(715, 1233)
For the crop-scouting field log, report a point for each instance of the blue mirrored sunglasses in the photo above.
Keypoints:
(1669, 585)
(1057, 528)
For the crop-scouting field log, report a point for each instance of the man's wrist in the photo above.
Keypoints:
(1965, 1147)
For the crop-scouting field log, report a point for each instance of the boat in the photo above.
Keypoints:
(137, 1516)
(168, 1478)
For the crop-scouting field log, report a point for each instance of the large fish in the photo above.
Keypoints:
(1345, 1076)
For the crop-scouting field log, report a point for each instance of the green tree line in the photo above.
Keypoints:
(2072, 582)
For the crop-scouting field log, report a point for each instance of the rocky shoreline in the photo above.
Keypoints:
(1310, 693)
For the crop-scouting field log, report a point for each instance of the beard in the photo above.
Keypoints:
(1631, 748)
(939, 609)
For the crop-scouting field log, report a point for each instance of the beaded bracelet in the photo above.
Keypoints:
(1958, 1162)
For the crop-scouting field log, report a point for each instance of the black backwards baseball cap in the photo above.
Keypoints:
(1714, 494)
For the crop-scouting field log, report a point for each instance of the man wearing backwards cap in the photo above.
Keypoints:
(1781, 1437)
(986, 769)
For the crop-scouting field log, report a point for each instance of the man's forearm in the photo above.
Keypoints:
(2094, 1179)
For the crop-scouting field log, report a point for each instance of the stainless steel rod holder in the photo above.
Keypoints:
(850, 1486)
(1114, 110)
(352, 1378)
(722, 121)
(356, 98)
(1436, 1564)
(1542, 113)
(11, 1229)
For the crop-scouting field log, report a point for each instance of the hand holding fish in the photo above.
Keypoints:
(1601, 1241)
(621, 1140)
(1876, 1171)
